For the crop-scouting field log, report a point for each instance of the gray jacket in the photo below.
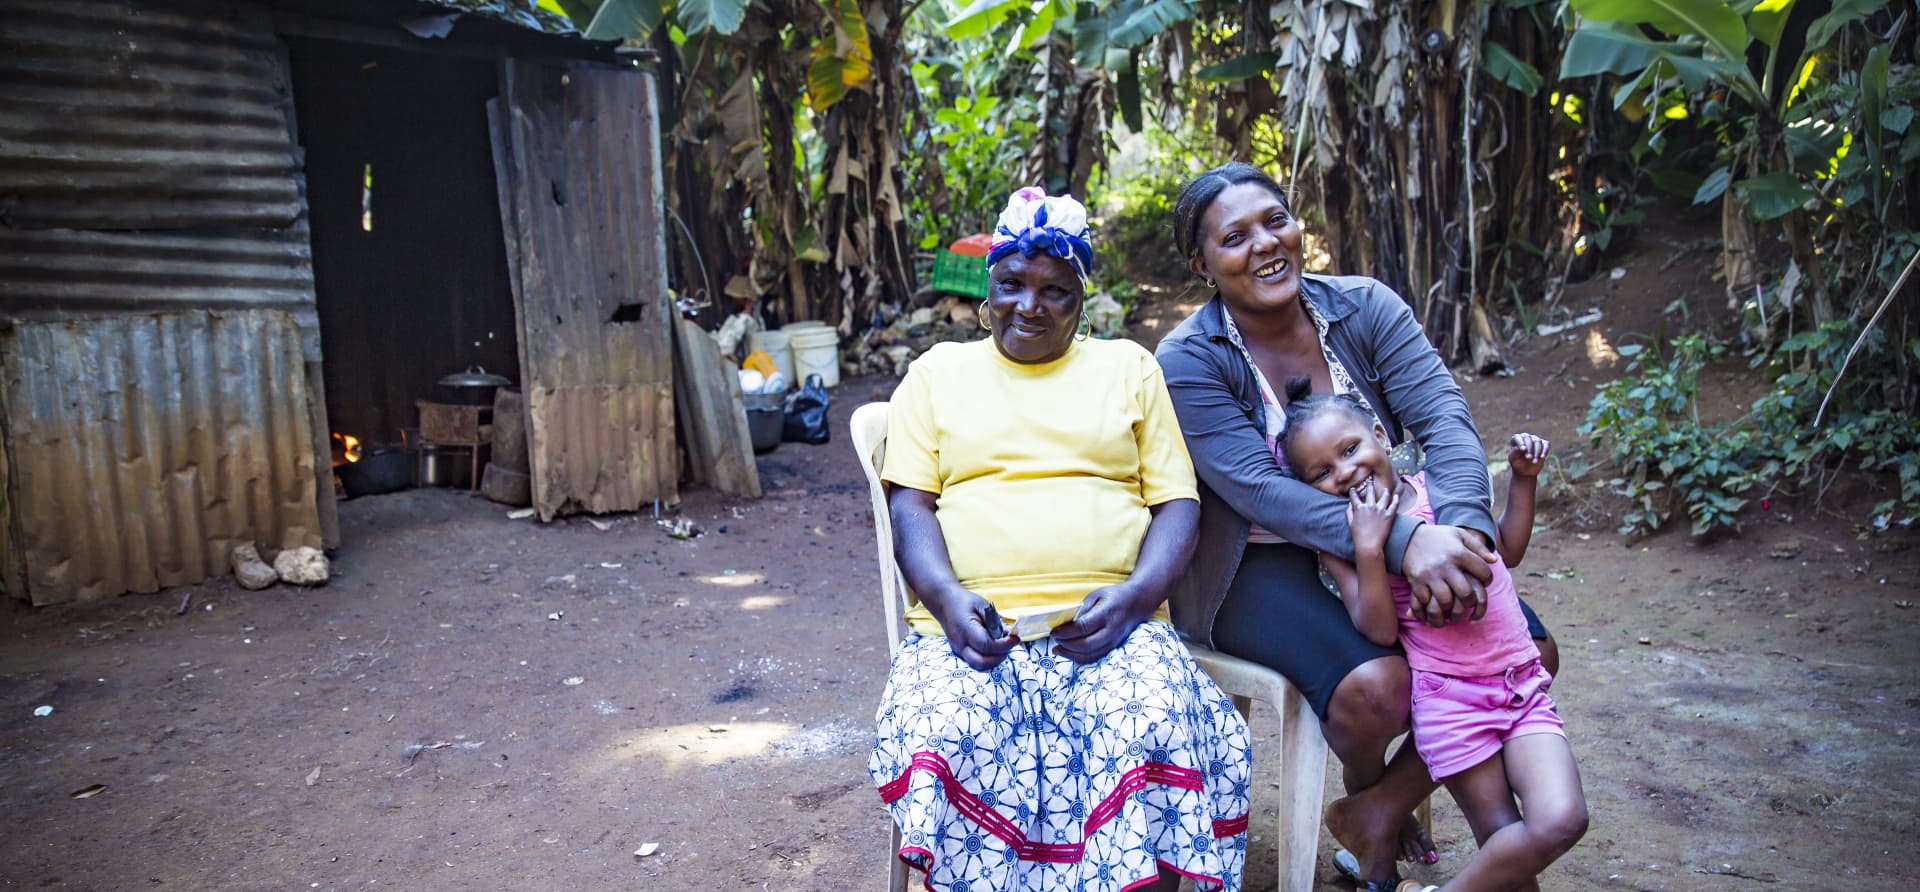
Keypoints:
(1215, 394)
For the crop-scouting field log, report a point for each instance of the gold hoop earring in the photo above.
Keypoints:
(1084, 329)
(983, 317)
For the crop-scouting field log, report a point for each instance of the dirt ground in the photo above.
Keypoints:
(478, 702)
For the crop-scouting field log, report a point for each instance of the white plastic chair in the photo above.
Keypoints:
(1303, 752)
(1303, 758)
(869, 425)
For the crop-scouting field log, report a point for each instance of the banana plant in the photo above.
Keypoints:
(1706, 48)
(789, 190)
(842, 60)
(1780, 156)
(1104, 39)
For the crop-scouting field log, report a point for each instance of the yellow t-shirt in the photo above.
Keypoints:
(1043, 472)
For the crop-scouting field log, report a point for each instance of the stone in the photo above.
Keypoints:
(900, 357)
(250, 571)
(303, 565)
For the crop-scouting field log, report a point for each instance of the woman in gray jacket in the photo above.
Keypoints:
(1253, 589)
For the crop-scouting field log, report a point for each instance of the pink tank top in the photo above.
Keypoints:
(1498, 642)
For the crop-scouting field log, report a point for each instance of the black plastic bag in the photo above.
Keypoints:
(807, 413)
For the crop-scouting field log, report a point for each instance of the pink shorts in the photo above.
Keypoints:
(1460, 722)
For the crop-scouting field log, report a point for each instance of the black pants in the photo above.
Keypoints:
(1278, 614)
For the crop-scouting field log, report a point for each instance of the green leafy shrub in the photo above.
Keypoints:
(1136, 225)
(1669, 462)
(979, 144)
(1649, 419)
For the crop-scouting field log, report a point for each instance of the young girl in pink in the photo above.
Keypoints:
(1482, 719)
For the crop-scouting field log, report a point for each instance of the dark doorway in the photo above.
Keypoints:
(409, 264)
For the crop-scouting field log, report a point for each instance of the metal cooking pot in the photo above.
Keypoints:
(473, 387)
(379, 470)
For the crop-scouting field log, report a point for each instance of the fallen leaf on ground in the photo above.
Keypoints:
(646, 849)
(521, 513)
(413, 751)
(89, 791)
(600, 525)
(683, 528)
(574, 681)
(313, 777)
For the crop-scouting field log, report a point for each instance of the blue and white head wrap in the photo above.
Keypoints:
(1036, 223)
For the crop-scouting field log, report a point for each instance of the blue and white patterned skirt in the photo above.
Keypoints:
(1047, 775)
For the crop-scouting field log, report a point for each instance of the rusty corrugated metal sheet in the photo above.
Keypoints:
(142, 448)
(143, 114)
(146, 162)
(581, 182)
(50, 274)
(608, 449)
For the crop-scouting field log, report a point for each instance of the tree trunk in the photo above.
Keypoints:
(1738, 251)
(864, 231)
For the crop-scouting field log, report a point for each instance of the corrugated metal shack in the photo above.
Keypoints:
(200, 200)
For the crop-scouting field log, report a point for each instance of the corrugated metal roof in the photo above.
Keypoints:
(140, 115)
(143, 448)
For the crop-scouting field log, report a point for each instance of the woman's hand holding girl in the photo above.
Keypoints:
(1448, 568)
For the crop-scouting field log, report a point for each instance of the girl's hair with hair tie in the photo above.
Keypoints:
(1304, 405)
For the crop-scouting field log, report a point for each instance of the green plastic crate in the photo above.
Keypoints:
(960, 274)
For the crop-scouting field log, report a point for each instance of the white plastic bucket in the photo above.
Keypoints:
(776, 345)
(816, 351)
(793, 328)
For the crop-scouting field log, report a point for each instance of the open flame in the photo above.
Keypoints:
(349, 446)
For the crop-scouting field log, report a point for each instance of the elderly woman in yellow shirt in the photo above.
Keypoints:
(1039, 478)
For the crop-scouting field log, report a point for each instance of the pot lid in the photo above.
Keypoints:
(474, 376)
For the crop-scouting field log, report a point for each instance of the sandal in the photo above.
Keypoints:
(1416, 886)
(1348, 866)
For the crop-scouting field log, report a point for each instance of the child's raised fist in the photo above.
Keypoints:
(1527, 455)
